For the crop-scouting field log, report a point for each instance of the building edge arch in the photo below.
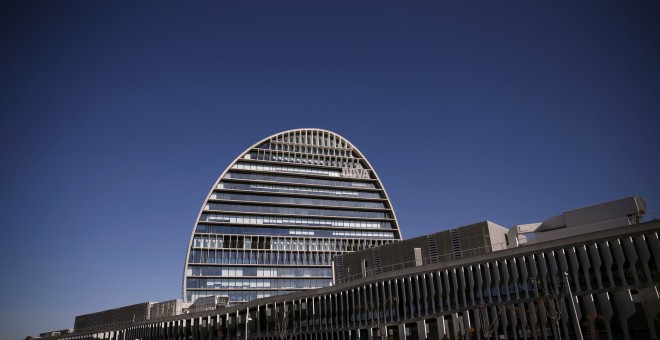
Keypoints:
(240, 156)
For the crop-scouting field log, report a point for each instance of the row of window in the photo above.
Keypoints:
(221, 229)
(258, 271)
(207, 283)
(312, 138)
(300, 180)
(260, 257)
(269, 209)
(305, 158)
(296, 200)
(287, 168)
(275, 220)
(308, 149)
(297, 190)
(275, 243)
(235, 295)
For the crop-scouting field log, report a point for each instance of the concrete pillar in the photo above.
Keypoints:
(606, 312)
(421, 330)
(455, 325)
(644, 256)
(606, 256)
(625, 309)
(620, 259)
(572, 258)
(631, 256)
(651, 305)
(441, 328)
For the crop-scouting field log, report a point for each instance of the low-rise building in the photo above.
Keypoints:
(132, 313)
(166, 308)
(474, 239)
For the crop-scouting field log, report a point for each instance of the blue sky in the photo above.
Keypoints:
(116, 119)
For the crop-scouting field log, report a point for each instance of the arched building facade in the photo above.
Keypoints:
(277, 215)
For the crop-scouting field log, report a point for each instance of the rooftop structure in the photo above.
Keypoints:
(591, 219)
(475, 239)
(209, 303)
(166, 308)
(126, 314)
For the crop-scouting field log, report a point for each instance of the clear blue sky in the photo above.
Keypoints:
(116, 119)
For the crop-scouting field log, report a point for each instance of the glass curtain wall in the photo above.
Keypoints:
(280, 212)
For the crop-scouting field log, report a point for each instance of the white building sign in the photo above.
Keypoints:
(355, 173)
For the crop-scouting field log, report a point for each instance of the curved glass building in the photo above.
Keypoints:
(278, 214)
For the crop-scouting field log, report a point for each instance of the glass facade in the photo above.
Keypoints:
(280, 212)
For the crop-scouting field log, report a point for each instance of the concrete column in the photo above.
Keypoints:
(432, 278)
(441, 327)
(479, 283)
(322, 315)
(395, 291)
(524, 274)
(486, 282)
(606, 312)
(572, 257)
(496, 281)
(342, 310)
(650, 304)
(455, 325)
(195, 328)
(624, 308)
(470, 283)
(445, 277)
(421, 330)
(585, 264)
(418, 294)
(620, 259)
(644, 256)
(596, 262)
(438, 286)
(654, 244)
(606, 256)
(631, 257)
(513, 265)
(462, 283)
(402, 331)
(590, 309)
(403, 297)
(352, 308)
(454, 283)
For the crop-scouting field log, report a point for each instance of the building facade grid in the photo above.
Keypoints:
(279, 213)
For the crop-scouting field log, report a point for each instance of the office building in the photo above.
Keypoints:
(277, 215)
